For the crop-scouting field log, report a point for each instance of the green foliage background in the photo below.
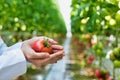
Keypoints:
(92, 16)
(20, 18)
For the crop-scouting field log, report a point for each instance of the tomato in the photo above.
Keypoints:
(47, 49)
(89, 62)
(87, 36)
(91, 58)
(100, 46)
(90, 71)
(98, 73)
(116, 63)
(100, 79)
(112, 57)
(38, 45)
(116, 51)
(110, 78)
(99, 52)
(42, 45)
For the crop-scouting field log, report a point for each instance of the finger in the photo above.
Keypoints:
(34, 54)
(53, 56)
(48, 61)
(52, 41)
(58, 58)
(57, 47)
(52, 62)
(41, 55)
(57, 54)
(55, 59)
(55, 51)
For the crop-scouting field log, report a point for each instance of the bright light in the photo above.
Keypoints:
(98, 13)
(112, 22)
(105, 27)
(77, 6)
(103, 23)
(117, 16)
(64, 6)
(119, 4)
(16, 19)
(87, 9)
(118, 12)
(1, 27)
(97, 21)
(98, 7)
(84, 21)
(23, 27)
(108, 17)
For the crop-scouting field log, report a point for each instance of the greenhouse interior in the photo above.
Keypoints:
(87, 30)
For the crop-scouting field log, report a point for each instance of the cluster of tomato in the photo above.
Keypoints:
(115, 57)
(90, 59)
(102, 75)
(99, 49)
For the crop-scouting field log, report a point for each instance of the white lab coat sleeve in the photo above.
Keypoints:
(3, 46)
(12, 62)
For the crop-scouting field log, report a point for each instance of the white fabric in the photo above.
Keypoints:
(12, 61)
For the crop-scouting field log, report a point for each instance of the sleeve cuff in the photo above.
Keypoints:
(17, 45)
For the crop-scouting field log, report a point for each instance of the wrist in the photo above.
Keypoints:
(23, 50)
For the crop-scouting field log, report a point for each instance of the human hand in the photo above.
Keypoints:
(42, 58)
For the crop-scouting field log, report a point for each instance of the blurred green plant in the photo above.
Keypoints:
(29, 17)
(95, 16)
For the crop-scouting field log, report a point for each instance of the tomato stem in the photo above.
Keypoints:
(117, 34)
(46, 43)
(113, 72)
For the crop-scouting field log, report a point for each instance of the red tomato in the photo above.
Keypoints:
(88, 36)
(100, 79)
(42, 45)
(47, 49)
(110, 78)
(89, 62)
(98, 73)
(91, 58)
